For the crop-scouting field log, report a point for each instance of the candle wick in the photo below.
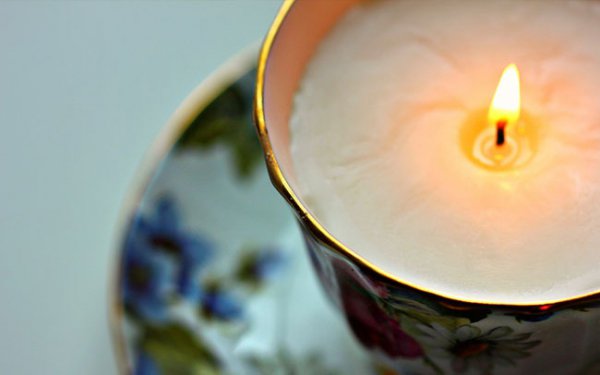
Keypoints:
(500, 132)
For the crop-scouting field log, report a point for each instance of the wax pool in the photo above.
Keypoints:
(378, 144)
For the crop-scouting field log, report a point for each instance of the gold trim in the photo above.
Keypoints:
(198, 99)
(313, 226)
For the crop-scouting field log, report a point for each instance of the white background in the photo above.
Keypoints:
(85, 88)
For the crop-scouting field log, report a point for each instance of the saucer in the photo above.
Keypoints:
(212, 276)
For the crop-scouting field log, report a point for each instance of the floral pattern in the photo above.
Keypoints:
(184, 293)
(409, 328)
(258, 268)
(373, 326)
(172, 349)
(163, 259)
(469, 348)
(146, 282)
(219, 304)
(227, 121)
(163, 268)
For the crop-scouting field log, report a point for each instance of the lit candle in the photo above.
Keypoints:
(506, 104)
(414, 149)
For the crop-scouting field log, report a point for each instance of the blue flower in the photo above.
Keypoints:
(268, 263)
(163, 232)
(145, 365)
(256, 267)
(218, 304)
(146, 281)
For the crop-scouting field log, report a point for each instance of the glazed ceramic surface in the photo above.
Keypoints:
(411, 332)
(213, 276)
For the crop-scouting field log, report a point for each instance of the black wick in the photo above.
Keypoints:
(500, 132)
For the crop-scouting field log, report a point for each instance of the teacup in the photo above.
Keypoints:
(408, 329)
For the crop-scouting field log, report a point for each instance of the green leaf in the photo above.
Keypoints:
(283, 363)
(429, 362)
(176, 351)
(245, 270)
(411, 313)
(227, 121)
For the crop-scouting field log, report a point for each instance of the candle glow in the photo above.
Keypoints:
(506, 104)
(504, 144)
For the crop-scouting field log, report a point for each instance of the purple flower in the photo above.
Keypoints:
(217, 303)
(162, 260)
(144, 365)
(163, 232)
(371, 325)
(267, 263)
(146, 282)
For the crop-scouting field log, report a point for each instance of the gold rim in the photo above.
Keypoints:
(194, 103)
(316, 229)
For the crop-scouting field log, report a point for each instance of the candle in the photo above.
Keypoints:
(411, 146)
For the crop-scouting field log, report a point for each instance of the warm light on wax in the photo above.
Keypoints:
(501, 143)
(395, 148)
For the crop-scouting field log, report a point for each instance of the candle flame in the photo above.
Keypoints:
(506, 105)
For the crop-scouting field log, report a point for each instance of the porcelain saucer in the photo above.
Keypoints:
(212, 276)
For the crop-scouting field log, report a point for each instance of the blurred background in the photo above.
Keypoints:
(85, 88)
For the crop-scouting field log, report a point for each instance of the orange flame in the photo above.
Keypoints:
(506, 105)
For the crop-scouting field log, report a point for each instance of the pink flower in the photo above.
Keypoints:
(371, 325)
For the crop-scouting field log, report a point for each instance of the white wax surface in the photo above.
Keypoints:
(375, 143)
